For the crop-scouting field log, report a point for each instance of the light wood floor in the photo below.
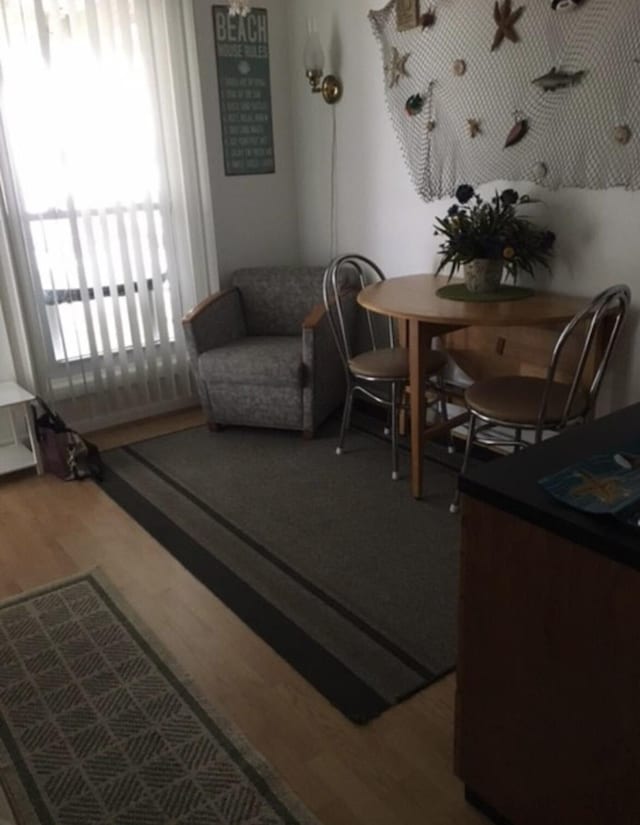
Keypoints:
(395, 771)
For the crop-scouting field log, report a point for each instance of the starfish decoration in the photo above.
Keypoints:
(506, 20)
(605, 490)
(474, 127)
(396, 67)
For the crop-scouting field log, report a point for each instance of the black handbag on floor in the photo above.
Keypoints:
(65, 453)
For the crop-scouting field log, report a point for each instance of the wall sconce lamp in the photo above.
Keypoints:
(330, 86)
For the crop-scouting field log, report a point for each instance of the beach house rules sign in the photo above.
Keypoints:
(242, 54)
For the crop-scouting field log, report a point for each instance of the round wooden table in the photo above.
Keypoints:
(413, 299)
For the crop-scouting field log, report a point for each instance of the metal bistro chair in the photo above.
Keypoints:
(378, 363)
(539, 404)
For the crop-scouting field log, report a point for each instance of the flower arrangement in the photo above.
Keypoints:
(475, 229)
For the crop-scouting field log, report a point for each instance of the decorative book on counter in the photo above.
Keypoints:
(606, 484)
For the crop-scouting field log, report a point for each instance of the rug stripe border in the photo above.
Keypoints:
(375, 635)
(154, 650)
(340, 686)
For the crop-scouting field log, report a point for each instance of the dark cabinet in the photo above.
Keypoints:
(548, 704)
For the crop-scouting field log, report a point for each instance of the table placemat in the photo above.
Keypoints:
(459, 292)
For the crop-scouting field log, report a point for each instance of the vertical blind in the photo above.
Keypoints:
(85, 176)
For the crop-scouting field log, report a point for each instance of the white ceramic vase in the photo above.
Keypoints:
(483, 274)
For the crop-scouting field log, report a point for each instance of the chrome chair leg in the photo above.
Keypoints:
(395, 475)
(518, 434)
(444, 413)
(346, 419)
(455, 504)
(388, 428)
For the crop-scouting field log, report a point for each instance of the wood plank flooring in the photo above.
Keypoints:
(395, 771)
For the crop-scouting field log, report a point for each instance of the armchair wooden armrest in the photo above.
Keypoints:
(215, 322)
(319, 312)
(314, 317)
(204, 305)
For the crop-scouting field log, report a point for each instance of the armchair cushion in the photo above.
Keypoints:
(277, 300)
(264, 361)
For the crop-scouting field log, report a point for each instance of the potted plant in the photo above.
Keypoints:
(488, 239)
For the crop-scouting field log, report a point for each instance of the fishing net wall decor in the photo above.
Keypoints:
(444, 83)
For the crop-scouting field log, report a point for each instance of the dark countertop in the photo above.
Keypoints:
(511, 484)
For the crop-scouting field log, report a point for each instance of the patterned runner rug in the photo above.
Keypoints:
(98, 728)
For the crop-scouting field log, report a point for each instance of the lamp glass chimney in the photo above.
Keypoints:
(313, 51)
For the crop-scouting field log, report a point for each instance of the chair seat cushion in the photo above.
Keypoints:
(517, 400)
(274, 361)
(392, 364)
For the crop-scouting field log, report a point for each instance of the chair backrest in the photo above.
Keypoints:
(600, 323)
(343, 279)
(276, 300)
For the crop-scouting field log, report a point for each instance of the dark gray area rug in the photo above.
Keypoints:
(338, 568)
(99, 728)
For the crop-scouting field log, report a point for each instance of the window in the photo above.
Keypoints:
(82, 127)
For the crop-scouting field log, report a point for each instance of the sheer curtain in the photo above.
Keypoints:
(103, 173)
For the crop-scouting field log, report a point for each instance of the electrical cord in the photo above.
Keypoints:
(333, 207)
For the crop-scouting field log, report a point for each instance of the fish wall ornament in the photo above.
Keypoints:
(558, 79)
(518, 130)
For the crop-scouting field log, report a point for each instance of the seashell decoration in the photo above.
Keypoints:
(622, 134)
(459, 68)
(540, 171)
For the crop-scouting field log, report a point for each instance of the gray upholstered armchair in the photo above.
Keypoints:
(262, 352)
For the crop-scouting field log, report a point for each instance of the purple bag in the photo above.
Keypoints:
(51, 432)
(64, 453)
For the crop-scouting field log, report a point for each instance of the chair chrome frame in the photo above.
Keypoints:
(610, 305)
(337, 286)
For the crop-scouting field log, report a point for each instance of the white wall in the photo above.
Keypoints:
(379, 213)
(255, 216)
